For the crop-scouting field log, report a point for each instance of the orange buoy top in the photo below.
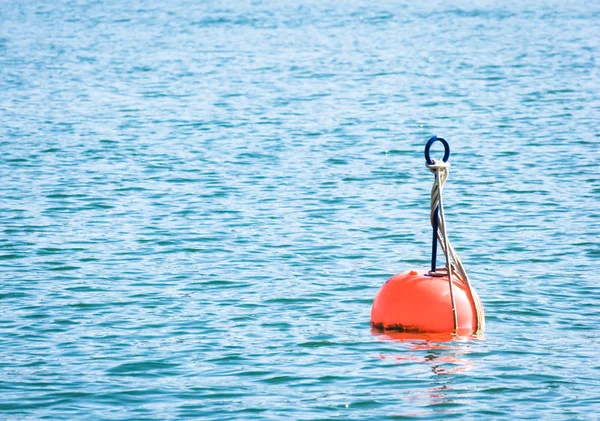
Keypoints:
(414, 301)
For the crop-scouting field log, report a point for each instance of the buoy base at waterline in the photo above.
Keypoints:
(414, 301)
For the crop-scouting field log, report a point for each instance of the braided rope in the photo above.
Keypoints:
(454, 266)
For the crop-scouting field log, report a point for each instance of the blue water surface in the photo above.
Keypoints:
(199, 201)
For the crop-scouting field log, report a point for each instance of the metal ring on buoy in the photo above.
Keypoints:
(428, 147)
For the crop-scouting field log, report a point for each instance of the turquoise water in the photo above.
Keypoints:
(201, 199)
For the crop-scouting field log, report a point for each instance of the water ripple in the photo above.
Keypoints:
(200, 202)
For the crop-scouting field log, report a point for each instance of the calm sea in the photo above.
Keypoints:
(199, 201)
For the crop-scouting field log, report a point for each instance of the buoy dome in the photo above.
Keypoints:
(414, 301)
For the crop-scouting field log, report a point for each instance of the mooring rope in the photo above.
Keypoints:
(454, 266)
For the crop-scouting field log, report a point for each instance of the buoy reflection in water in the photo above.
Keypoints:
(442, 352)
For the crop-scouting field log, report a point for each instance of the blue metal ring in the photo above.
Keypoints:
(428, 146)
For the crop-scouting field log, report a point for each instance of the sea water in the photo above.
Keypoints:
(199, 201)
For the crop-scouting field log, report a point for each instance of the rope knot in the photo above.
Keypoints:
(438, 164)
(441, 170)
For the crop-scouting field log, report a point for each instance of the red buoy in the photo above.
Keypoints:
(416, 302)
(431, 302)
